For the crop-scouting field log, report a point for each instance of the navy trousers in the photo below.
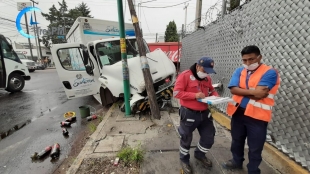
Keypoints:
(255, 131)
(189, 121)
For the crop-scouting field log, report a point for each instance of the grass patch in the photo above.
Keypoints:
(131, 155)
(92, 127)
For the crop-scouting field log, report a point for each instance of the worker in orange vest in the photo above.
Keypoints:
(253, 87)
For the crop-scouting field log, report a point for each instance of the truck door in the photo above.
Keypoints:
(69, 63)
(2, 71)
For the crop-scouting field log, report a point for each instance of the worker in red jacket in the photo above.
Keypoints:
(191, 85)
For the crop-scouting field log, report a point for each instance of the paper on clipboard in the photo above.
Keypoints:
(213, 100)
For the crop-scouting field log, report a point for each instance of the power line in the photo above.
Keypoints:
(167, 6)
(9, 20)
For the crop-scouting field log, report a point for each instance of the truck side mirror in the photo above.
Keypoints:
(89, 70)
(84, 53)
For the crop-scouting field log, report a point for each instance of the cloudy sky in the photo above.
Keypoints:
(153, 19)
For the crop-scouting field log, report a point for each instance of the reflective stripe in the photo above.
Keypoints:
(183, 151)
(175, 93)
(260, 105)
(209, 115)
(251, 88)
(233, 103)
(205, 150)
(270, 96)
(190, 120)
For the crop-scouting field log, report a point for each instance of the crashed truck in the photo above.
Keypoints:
(90, 63)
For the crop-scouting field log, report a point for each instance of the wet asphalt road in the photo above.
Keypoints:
(38, 110)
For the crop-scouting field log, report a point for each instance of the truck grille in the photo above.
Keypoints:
(30, 63)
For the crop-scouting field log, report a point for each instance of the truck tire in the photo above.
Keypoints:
(15, 83)
(107, 97)
(31, 70)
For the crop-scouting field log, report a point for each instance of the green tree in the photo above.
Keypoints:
(171, 34)
(63, 17)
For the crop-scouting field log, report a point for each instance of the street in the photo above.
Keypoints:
(30, 121)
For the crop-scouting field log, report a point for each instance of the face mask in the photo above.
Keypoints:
(202, 75)
(251, 67)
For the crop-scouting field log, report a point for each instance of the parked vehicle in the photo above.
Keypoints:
(13, 72)
(30, 64)
(90, 64)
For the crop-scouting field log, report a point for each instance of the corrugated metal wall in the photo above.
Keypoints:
(280, 28)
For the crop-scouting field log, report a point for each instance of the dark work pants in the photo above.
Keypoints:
(255, 131)
(189, 121)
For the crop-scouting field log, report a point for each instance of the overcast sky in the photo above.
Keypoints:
(153, 20)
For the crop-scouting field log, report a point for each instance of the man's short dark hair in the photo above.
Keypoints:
(250, 49)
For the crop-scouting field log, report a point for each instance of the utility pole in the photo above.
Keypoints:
(28, 38)
(36, 28)
(224, 2)
(144, 63)
(185, 8)
(198, 13)
(124, 57)
(156, 38)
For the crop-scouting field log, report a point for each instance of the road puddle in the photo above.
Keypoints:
(14, 129)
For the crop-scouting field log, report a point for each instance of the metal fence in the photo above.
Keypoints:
(280, 28)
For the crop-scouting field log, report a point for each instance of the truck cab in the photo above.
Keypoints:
(96, 69)
(30, 64)
(13, 73)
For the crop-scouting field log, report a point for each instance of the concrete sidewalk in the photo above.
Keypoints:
(161, 141)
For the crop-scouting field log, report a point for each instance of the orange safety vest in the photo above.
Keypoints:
(258, 109)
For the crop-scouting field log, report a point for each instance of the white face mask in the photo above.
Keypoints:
(251, 67)
(202, 75)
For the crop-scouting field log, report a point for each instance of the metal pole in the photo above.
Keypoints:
(152, 100)
(35, 18)
(156, 38)
(34, 30)
(124, 58)
(28, 38)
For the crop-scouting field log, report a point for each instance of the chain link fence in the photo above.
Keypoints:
(280, 28)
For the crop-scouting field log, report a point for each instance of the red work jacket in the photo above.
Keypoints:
(187, 86)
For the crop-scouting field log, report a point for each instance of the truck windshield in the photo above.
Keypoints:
(21, 56)
(8, 52)
(110, 51)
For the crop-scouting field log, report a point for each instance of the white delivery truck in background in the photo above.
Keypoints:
(91, 64)
(12, 72)
(30, 64)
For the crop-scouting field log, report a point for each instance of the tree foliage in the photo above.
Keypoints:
(171, 34)
(63, 17)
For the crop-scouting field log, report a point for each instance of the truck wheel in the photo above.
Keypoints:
(15, 83)
(107, 97)
(31, 70)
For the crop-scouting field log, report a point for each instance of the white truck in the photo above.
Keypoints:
(30, 64)
(12, 72)
(91, 64)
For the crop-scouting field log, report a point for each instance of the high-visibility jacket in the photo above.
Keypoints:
(258, 109)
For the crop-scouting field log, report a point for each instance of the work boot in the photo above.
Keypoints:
(186, 168)
(205, 161)
(231, 165)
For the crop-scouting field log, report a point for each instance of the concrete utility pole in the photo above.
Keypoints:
(185, 8)
(30, 46)
(144, 63)
(224, 2)
(36, 28)
(198, 13)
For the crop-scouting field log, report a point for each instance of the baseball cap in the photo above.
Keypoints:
(207, 64)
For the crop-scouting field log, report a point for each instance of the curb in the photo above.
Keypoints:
(270, 154)
(89, 146)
